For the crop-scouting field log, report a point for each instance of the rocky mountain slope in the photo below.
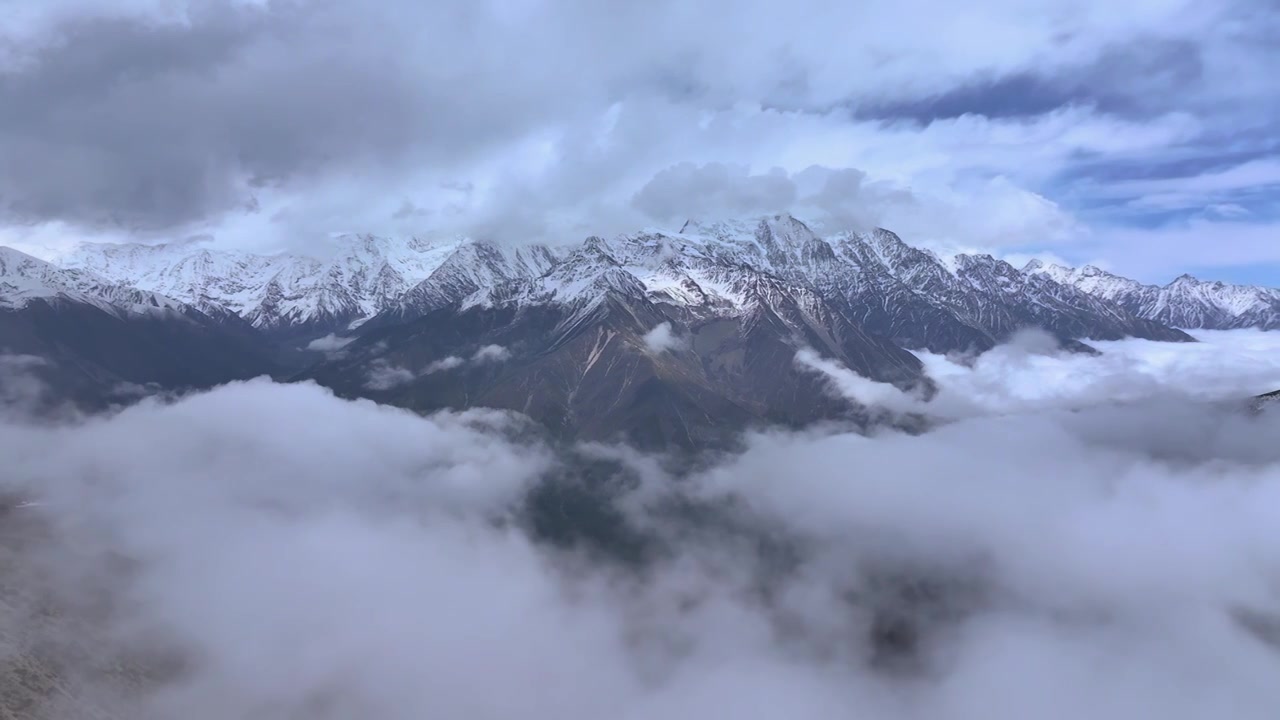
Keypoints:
(890, 289)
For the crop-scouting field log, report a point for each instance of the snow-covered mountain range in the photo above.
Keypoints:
(288, 294)
(894, 289)
(885, 286)
(1186, 302)
(566, 331)
(24, 278)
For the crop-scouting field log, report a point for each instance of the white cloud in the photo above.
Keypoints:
(532, 155)
(329, 343)
(864, 391)
(1197, 190)
(662, 338)
(714, 191)
(1016, 378)
(491, 354)
(20, 387)
(1198, 242)
(379, 565)
(1031, 373)
(293, 551)
(446, 363)
(384, 376)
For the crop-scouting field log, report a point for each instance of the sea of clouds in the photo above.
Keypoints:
(1079, 536)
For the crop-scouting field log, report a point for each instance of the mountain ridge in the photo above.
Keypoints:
(90, 342)
(288, 294)
(1185, 302)
(393, 279)
(656, 337)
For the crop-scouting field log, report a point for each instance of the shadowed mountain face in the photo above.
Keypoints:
(83, 354)
(70, 335)
(593, 369)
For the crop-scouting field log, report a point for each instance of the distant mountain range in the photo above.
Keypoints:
(1186, 302)
(664, 337)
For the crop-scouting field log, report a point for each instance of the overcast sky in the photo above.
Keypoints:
(1142, 135)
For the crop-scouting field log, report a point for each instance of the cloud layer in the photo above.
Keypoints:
(1069, 127)
(383, 376)
(1031, 373)
(270, 550)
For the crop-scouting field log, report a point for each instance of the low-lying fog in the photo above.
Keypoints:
(1080, 537)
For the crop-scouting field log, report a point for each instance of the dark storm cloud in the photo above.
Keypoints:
(124, 123)
(1135, 79)
(270, 122)
(149, 124)
(1183, 162)
(1018, 95)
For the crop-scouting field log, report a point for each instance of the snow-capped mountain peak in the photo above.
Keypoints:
(349, 279)
(893, 288)
(24, 278)
(1055, 271)
(1185, 302)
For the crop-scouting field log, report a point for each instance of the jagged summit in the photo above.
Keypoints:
(24, 278)
(566, 333)
(892, 289)
(285, 293)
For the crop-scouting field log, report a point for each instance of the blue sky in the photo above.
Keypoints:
(1142, 136)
